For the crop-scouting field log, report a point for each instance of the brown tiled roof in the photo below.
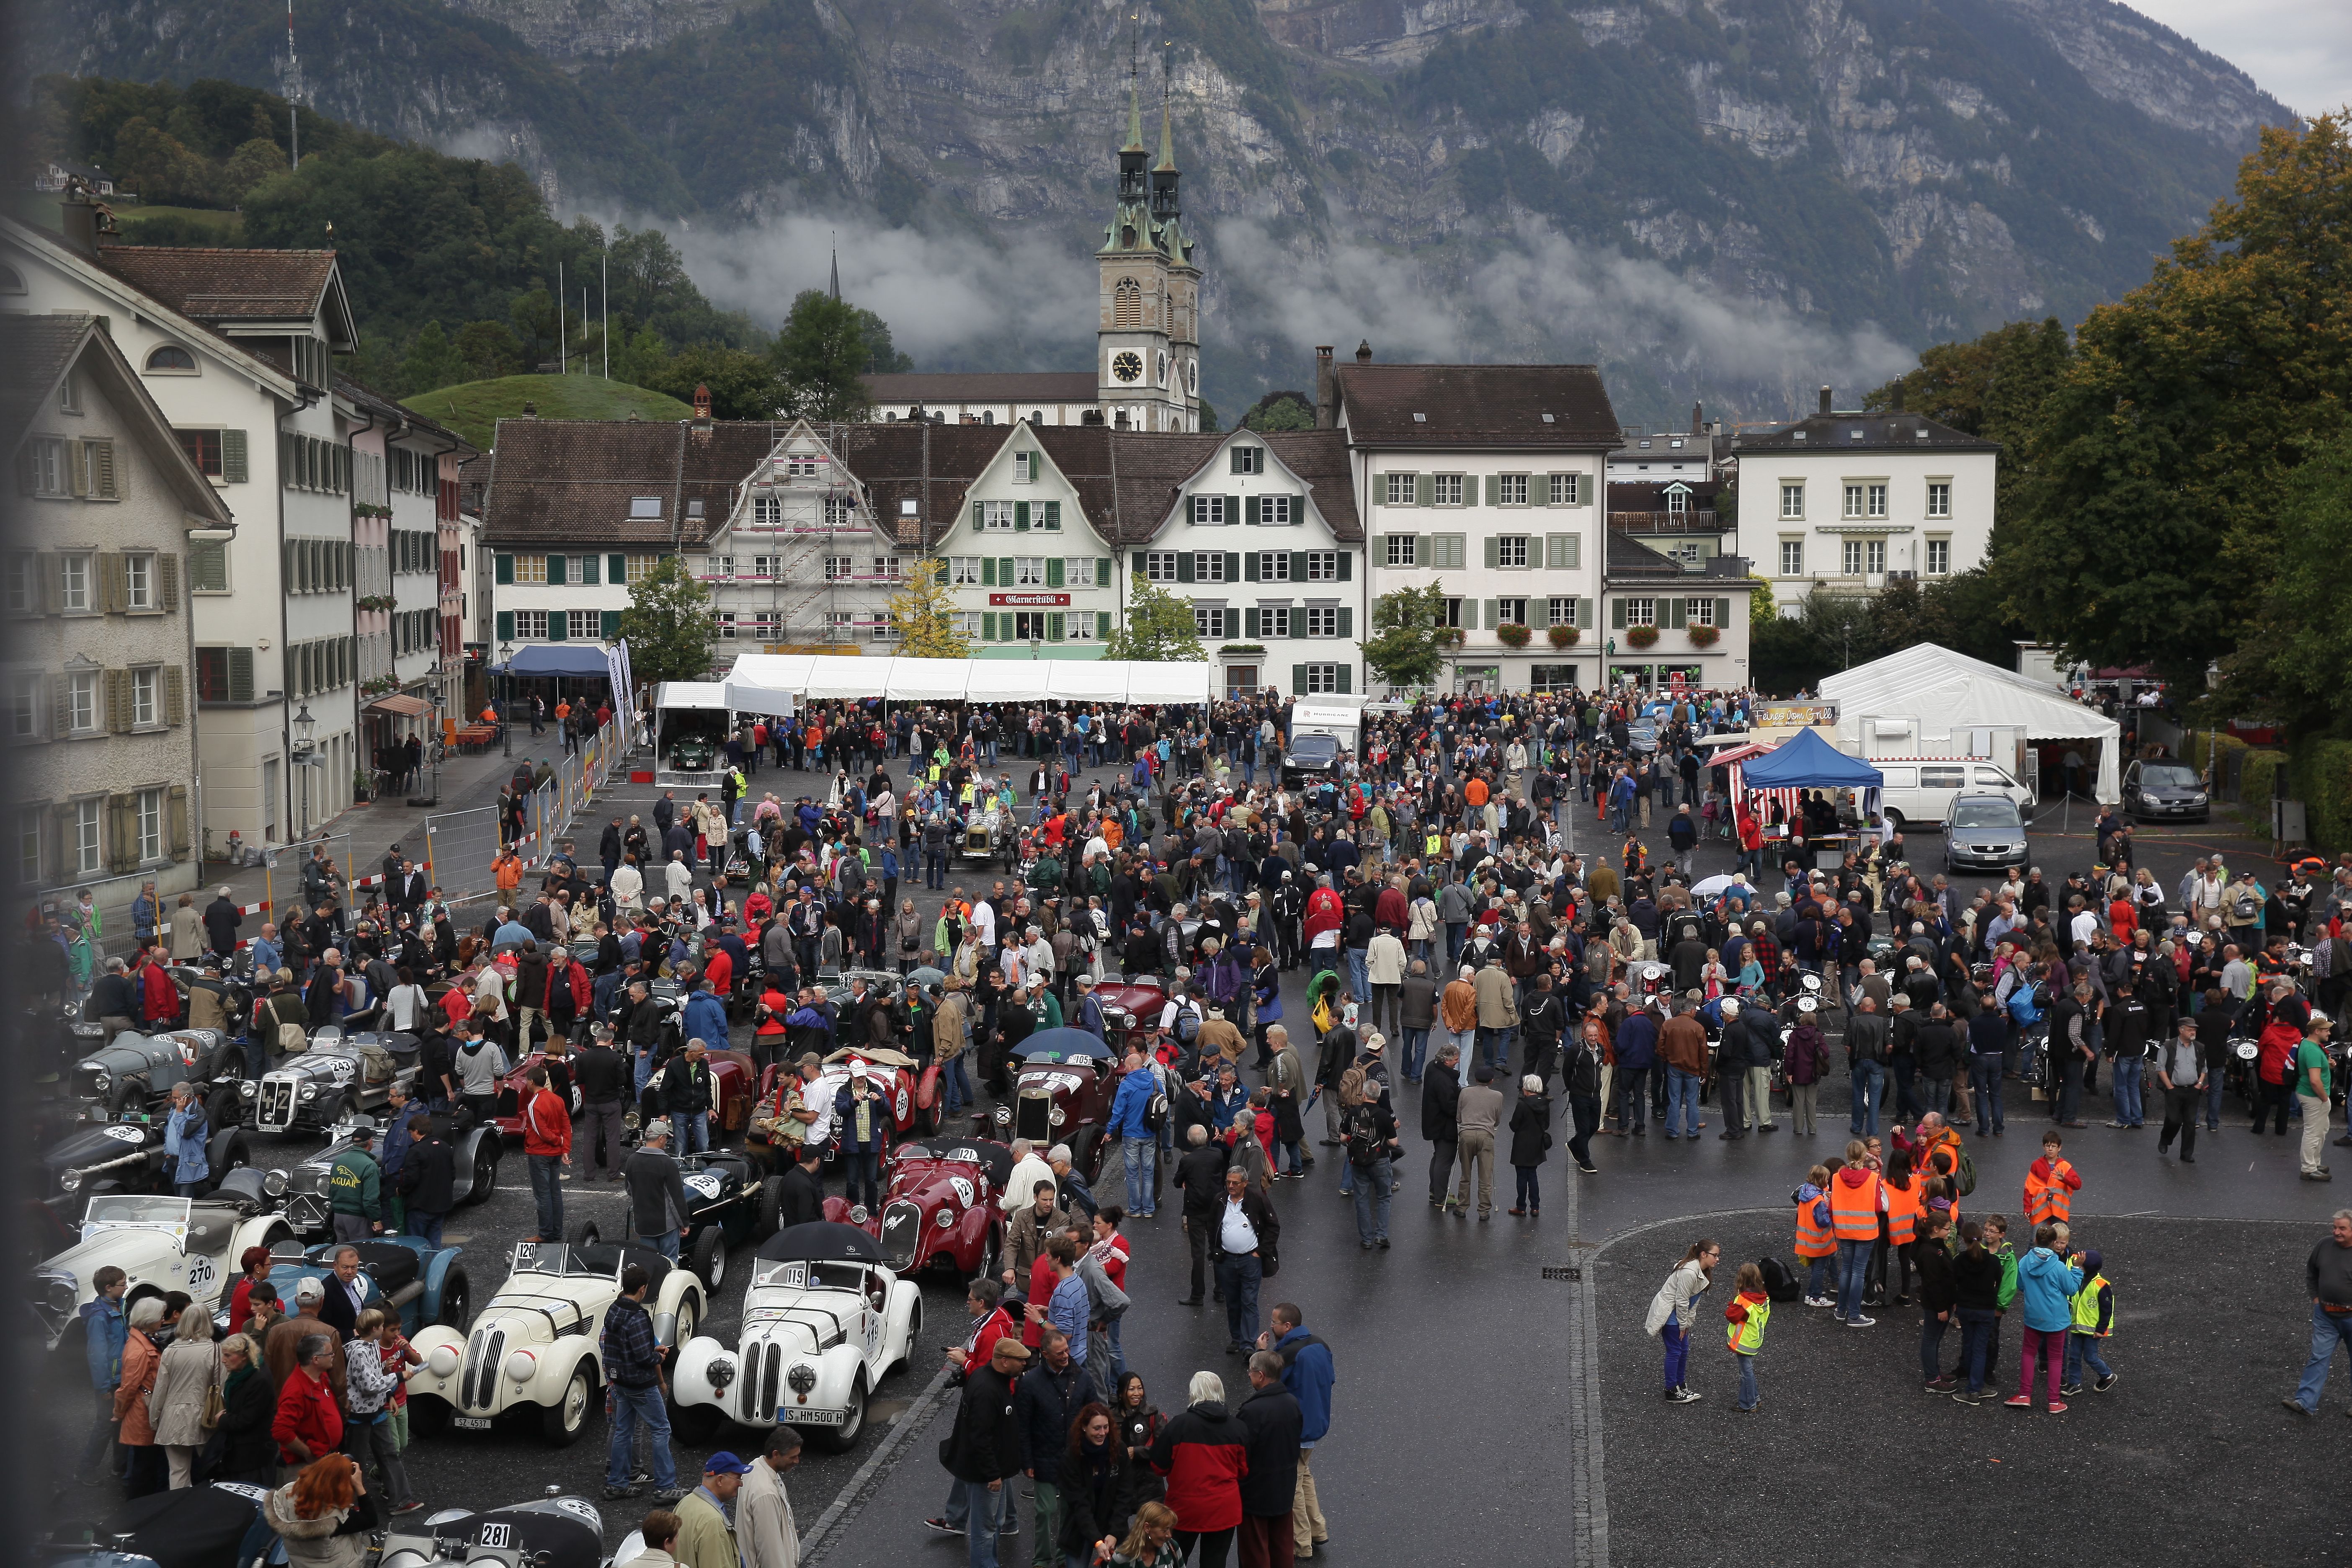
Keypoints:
(1879, 433)
(221, 285)
(932, 389)
(563, 481)
(36, 350)
(1477, 406)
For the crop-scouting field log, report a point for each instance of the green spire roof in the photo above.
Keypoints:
(1134, 118)
(1167, 140)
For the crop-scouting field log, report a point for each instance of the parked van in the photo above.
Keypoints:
(1918, 791)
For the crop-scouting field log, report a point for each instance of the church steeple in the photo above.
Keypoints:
(1149, 339)
(1164, 205)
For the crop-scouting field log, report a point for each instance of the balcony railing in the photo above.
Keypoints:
(1665, 521)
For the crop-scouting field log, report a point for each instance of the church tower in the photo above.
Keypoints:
(1147, 343)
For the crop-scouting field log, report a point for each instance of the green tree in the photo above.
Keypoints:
(1409, 640)
(1208, 415)
(2294, 662)
(433, 362)
(258, 160)
(1159, 627)
(536, 326)
(1994, 387)
(669, 624)
(1762, 609)
(820, 356)
(1280, 410)
(155, 164)
(489, 348)
(640, 358)
(925, 611)
(742, 384)
(2160, 461)
(882, 356)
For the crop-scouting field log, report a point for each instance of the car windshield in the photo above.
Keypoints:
(551, 1257)
(1315, 746)
(800, 1274)
(2166, 776)
(132, 1209)
(1986, 813)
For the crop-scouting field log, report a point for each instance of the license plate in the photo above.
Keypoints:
(470, 1423)
(802, 1418)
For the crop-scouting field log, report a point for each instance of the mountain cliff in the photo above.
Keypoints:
(1730, 196)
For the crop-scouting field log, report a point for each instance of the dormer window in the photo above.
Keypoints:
(1645, 446)
(1249, 459)
(1921, 432)
(1854, 434)
(694, 509)
(1547, 419)
(171, 359)
(643, 508)
(1796, 436)
(1420, 418)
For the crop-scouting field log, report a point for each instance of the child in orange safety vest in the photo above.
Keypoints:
(1750, 1310)
(2051, 1183)
(1816, 1241)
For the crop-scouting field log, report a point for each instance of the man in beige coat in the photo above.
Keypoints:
(765, 1534)
(1498, 1013)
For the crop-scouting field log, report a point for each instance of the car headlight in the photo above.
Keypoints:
(802, 1377)
(63, 1290)
(947, 1219)
(100, 1079)
(70, 1181)
(721, 1373)
(274, 1184)
(248, 1088)
(1003, 1115)
(310, 1091)
(1057, 1116)
(2197, 800)
(88, 1031)
(521, 1365)
(442, 1361)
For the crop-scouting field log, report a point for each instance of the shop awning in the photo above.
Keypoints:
(400, 702)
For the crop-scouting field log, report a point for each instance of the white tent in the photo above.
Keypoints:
(1952, 693)
(759, 680)
(698, 694)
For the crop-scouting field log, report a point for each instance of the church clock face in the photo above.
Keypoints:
(1128, 365)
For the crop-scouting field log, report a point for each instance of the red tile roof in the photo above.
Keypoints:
(222, 285)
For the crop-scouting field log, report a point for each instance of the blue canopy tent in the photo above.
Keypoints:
(1807, 761)
(586, 660)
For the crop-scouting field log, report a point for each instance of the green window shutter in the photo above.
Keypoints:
(1585, 614)
(240, 675)
(555, 570)
(1233, 566)
(1380, 489)
(1346, 567)
(987, 627)
(1494, 490)
(978, 515)
(617, 570)
(1494, 614)
(558, 627)
(1250, 567)
(988, 571)
(1021, 517)
(1299, 567)
(1676, 610)
(1055, 626)
(1617, 614)
(1555, 551)
(1004, 571)
(1344, 669)
(1722, 613)
(1184, 566)
(1192, 510)
(233, 460)
(1102, 572)
(1102, 625)
(612, 625)
(1249, 622)
(1575, 550)
(506, 626)
(1347, 624)
(1050, 515)
(588, 570)
(1052, 571)
(1299, 680)
(1424, 489)
(1249, 512)
(1494, 551)
(1234, 505)
(505, 567)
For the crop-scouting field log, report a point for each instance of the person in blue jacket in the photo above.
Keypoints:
(1307, 1372)
(105, 1330)
(705, 1016)
(184, 1141)
(2046, 1287)
(1140, 1143)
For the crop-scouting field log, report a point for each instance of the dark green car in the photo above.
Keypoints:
(692, 753)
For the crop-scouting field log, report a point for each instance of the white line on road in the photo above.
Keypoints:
(852, 1498)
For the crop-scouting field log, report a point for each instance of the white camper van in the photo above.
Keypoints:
(1919, 791)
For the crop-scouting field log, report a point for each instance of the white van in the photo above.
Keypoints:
(1919, 791)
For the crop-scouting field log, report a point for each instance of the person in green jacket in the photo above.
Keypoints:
(706, 1533)
(355, 1192)
(1995, 1241)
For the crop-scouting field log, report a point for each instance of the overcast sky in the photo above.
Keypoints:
(2299, 51)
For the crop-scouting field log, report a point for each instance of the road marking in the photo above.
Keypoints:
(1588, 1485)
(853, 1497)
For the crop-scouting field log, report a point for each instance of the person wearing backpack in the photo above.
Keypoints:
(1136, 1113)
(1372, 1148)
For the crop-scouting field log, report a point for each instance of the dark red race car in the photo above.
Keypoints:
(909, 1090)
(940, 1209)
(1132, 1005)
(1063, 1084)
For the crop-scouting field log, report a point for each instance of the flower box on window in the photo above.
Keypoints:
(1564, 637)
(1512, 634)
(1641, 637)
(1703, 637)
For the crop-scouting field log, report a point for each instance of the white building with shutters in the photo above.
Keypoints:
(100, 791)
(1487, 480)
(1028, 566)
(236, 347)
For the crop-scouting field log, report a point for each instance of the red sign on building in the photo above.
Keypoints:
(1029, 599)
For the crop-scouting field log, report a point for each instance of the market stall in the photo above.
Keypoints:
(827, 677)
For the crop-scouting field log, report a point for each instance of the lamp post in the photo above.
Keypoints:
(303, 747)
(506, 704)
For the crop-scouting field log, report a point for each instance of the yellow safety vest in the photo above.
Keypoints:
(2086, 1307)
(1748, 1338)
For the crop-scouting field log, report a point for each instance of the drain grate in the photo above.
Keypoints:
(1568, 1273)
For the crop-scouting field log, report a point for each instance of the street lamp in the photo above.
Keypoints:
(306, 730)
(506, 704)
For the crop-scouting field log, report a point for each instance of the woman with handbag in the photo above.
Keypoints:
(186, 1402)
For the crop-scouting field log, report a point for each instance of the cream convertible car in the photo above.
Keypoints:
(534, 1346)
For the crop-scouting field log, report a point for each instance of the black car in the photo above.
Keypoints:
(1310, 759)
(127, 1156)
(2165, 790)
(723, 1190)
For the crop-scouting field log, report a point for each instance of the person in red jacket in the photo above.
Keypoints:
(159, 999)
(310, 1422)
(1204, 1453)
(547, 1146)
(1324, 911)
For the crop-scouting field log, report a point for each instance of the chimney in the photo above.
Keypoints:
(1326, 414)
(1899, 395)
(529, 410)
(1364, 352)
(702, 405)
(80, 226)
(1698, 426)
(1825, 400)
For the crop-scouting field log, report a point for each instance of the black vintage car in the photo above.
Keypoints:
(136, 1072)
(127, 1156)
(553, 1531)
(723, 1190)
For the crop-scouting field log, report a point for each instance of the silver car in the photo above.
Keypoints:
(1983, 832)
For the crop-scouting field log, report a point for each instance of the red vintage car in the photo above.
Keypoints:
(940, 1209)
(1132, 1005)
(732, 1094)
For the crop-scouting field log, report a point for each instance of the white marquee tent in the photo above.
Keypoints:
(768, 683)
(1952, 693)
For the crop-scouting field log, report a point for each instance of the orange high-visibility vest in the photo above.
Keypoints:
(2048, 1202)
(1854, 1211)
(1902, 1212)
(1814, 1237)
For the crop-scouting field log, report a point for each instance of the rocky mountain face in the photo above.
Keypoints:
(1739, 196)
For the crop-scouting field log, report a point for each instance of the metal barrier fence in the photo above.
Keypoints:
(462, 846)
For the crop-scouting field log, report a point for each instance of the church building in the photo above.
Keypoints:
(1147, 370)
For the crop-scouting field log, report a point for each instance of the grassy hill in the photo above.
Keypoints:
(473, 408)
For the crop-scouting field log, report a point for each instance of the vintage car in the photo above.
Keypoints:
(990, 839)
(1132, 1005)
(163, 1244)
(909, 1091)
(939, 1210)
(535, 1347)
(552, 1532)
(193, 1527)
(127, 1156)
(723, 1191)
(734, 1088)
(475, 1153)
(693, 754)
(408, 1276)
(508, 1115)
(337, 1075)
(136, 1072)
(1061, 1094)
(824, 1321)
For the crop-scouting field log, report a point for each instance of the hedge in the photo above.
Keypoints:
(2319, 775)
